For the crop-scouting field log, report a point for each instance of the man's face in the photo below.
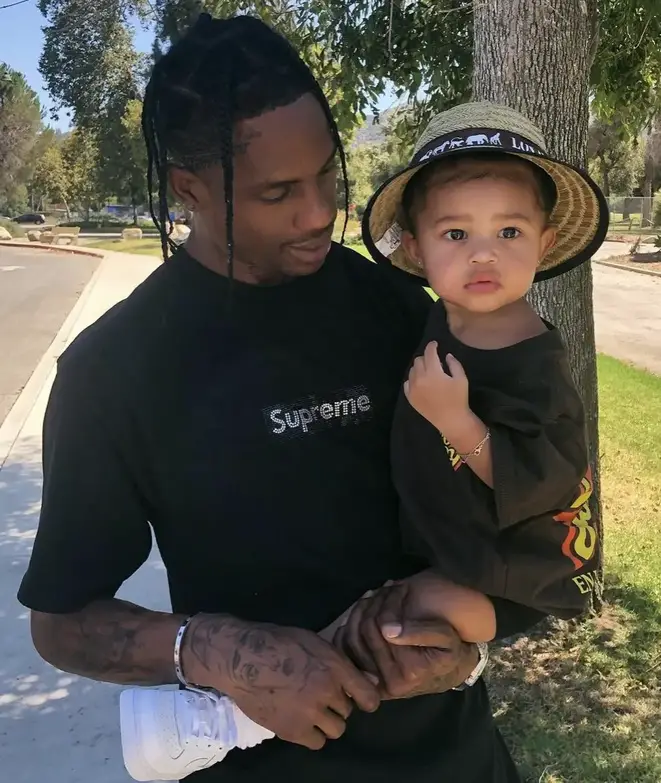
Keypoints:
(284, 194)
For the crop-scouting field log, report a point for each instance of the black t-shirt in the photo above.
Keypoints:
(257, 447)
(528, 539)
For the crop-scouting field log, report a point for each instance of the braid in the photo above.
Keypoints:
(227, 159)
(156, 159)
(219, 72)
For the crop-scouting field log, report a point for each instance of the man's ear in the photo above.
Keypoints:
(189, 188)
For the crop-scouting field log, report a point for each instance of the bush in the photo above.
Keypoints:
(14, 228)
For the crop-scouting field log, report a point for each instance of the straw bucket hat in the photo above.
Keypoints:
(580, 215)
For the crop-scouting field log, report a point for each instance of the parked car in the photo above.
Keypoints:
(31, 217)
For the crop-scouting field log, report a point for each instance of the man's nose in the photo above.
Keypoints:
(317, 210)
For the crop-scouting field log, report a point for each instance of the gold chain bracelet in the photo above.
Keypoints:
(478, 449)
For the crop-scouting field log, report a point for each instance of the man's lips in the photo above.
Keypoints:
(312, 245)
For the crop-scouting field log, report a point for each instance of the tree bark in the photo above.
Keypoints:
(605, 176)
(536, 57)
(648, 189)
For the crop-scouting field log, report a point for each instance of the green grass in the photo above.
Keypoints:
(582, 704)
(147, 247)
(618, 225)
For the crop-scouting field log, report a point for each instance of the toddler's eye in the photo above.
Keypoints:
(509, 233)
(455, 234)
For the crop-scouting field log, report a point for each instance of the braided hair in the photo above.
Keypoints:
(220, 72)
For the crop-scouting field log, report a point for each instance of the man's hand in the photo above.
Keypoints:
(286, 679)
(411, 656)
(441, 397)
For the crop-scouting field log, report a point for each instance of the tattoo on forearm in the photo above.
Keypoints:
(112, 641)
(251, 656)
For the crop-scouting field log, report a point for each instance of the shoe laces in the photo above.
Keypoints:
(208, 719)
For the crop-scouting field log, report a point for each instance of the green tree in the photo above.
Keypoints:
(124, 158)
(616, 160)
(370, 164)
(91, 68)
(80, 152)
(20, 121)
(134, 165)
(425, 49)
(651, 167)
(89, 63)
(51, 177)
(47, 138)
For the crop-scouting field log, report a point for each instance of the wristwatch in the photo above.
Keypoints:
(474, 676)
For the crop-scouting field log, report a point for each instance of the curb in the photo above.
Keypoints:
(11, 428)
(56, 248)
(627, 268)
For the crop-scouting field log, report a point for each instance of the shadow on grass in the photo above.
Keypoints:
(581, 702)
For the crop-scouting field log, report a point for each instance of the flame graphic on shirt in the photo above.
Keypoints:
(581, 540)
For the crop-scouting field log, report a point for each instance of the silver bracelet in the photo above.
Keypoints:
(178, 670)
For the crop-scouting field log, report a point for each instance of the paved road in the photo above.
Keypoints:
(627, 316)
(37, 291)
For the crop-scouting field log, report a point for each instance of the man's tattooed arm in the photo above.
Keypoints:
(287, 679)
(119, 642)
(112, 641)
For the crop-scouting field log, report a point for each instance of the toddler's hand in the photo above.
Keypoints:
(438, 396)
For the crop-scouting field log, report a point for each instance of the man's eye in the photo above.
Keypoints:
(274, 196)
(509, 233)
(455, 234)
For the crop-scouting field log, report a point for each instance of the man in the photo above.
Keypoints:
(239, 402)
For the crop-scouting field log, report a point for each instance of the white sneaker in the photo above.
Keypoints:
(169, 733)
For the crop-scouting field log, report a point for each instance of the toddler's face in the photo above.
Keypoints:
(480, 238)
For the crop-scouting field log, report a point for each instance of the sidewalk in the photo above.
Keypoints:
(55, 727)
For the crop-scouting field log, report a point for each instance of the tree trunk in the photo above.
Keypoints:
(536, 57)
(626, 209)
(605, 176)
(648, 189)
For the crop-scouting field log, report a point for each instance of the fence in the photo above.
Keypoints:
(635, 213)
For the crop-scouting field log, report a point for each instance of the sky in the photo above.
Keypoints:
(21, 42)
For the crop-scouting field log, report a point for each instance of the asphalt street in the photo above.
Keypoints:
(37, 291)
(627, 316)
